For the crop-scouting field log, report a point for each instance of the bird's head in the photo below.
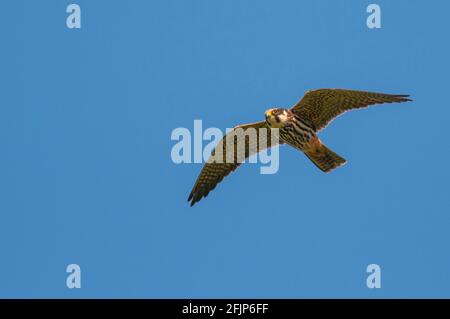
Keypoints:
(277, 117)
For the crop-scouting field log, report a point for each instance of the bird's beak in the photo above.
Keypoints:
(268, 114)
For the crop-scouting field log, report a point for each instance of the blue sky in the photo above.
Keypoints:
(86, 175)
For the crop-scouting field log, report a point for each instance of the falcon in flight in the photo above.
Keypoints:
(297, 127)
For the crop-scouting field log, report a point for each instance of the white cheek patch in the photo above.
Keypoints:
(283, 118)
(273, 121)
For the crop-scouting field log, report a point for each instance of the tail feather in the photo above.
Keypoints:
(324, 158)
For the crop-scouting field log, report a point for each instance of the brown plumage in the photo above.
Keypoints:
(322, 106)
(297, 127)
(213, 172)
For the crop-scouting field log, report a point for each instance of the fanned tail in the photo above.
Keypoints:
(324, 158)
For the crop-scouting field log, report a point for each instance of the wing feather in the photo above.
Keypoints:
(222, 164)
(320, 107)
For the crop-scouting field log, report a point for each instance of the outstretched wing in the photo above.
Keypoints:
(226, 157)
(320, 107)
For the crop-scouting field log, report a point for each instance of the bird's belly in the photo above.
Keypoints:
(297, 139)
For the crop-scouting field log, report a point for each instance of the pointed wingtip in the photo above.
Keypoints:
(404, 97)
(191, 199)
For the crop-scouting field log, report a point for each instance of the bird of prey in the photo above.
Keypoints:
(297, 127)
